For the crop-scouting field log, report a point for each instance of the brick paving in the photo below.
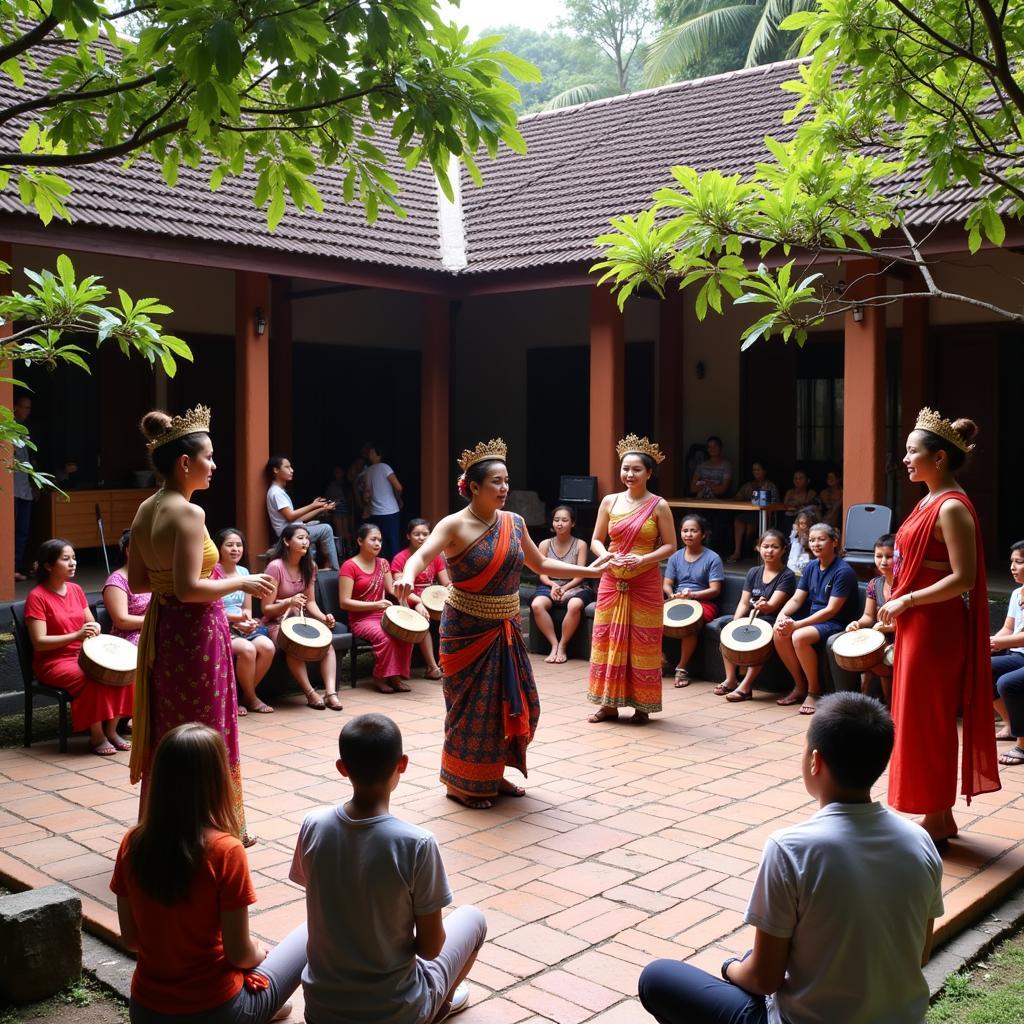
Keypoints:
(632, 843)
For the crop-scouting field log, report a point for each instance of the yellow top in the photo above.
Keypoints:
(646, 541)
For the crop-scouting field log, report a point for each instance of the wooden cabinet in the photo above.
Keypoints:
(74, 517)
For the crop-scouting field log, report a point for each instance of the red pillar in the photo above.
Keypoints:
(864, 389)
(912, 383)
(280, 344)
(670, 393)
(6, 482)
(252, 405)
(435, 468)
(607, 383)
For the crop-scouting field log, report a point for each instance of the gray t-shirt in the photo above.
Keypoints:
(1016, 612)
(366, 881)
(380, 494)
(277, 499)
(22, 483)
(853, 888)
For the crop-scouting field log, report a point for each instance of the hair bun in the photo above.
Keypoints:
(967, 429)
(154, 424)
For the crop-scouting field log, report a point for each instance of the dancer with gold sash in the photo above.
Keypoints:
(625, 653)
(186, 673)
(489, 690)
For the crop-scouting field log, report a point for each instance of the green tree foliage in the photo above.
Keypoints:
(276, 89)
(710, 36)
(898, 101)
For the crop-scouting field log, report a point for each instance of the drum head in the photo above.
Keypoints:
(434, 597)
(406, 618)
(308, 632)
(744, 635)
(888, 654)
(681, 611)
(858, 643)
(112, 652)
(304, 631)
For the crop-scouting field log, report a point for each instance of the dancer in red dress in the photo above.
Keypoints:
(939, 604)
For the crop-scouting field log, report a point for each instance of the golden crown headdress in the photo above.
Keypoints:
(639, 445)
(195, 421)
(929, 419)
(493, 449)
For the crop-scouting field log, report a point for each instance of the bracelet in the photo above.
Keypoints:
(727, 964)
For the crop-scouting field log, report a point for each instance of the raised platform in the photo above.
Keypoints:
(632, 843)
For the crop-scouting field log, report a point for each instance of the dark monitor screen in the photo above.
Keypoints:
(581, 490)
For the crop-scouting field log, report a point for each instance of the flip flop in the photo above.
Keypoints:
(242, 711)
(1013, 756)
(104, 749)
(793, 698)
(604, 714)
(435, 673)
(721, 690)
(120, 744)
(807, 709)
(682, 678)
(260, 709)
(735, 696)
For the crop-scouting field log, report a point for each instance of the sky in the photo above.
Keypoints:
(481, 14)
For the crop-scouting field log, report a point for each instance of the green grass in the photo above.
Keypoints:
(991, 992)
(44, 727)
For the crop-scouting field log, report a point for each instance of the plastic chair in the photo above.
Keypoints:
(32, 685)
(864, 525)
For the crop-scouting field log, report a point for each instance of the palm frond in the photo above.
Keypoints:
(576, 95)
(768, 43)
(699, 35)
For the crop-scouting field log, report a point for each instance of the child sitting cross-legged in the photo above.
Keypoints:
(855, 879)
(375, 886)
(878, 592)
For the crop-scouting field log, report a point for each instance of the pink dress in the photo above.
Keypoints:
(287, 586)
(390, 657)
(137, 604)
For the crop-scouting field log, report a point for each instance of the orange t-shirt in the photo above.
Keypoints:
(182, 967)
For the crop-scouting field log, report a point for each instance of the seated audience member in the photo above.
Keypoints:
(856, 880)
(183, 895)
(799, 539)
(383, 499)
(830, 498)
(693, 572)
(573, 594)
(713, 477)
(250, 639)
(1008, 665)
(745, 524)
(828, 584)
(126, 609)
(364, 586)
(292, 567)
(58, 619)
(282, 512)
(878, 592)
(767, 588)
(800, 495)
(436, 573)
(375, 887)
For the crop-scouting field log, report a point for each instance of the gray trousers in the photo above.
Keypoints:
(282, 968)
(465, 930)
(321, 535)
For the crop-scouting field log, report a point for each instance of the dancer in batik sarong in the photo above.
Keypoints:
(185, 673)
(625, 653)
(489, 691)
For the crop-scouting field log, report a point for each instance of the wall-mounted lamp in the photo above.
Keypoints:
(858, 313)
(261, 323)
(701, 370)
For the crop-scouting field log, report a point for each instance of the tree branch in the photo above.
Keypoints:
(29, 39)
(1003, 70)
(51, 100)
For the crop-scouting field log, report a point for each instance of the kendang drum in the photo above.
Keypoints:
(860, 650)
(888, 655)
(305, 639)
(434, 598)
(109, 659)
(682, 617)
(402, 623)
(747, 641)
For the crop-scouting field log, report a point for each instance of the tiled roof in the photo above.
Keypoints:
(585, 164)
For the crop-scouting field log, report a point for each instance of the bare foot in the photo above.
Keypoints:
(506, 788)
(382, 687)
(604, 714)
(472, 802)
(550, 659)
(560, 656)
(940, 825)
(399, 685)
(1004, 735)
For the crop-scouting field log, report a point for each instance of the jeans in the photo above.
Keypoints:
(676, 993)
(321, 535)
(1008, 683)
(282, 968)
(390, 533)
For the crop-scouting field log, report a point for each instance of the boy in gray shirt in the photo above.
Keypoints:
(378, 949)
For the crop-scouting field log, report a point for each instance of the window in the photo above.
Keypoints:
(819, 420)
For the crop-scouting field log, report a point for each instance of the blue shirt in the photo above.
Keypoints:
(698, 575)
(233, 602)
(838, 580)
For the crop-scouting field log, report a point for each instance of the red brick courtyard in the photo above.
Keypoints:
(632, 843)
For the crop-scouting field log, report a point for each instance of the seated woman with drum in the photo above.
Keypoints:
(828, 586)
(295, 622)
(125, 608)
(879, 591)
(572, 593)
(434, 579)
(59, 622)
(747, 640)
(363, 582)
(694, 575)
(251, 645)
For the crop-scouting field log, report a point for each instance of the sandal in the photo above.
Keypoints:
(249, 840)
(809, 705)
(682, 678)
(314, 701)
(104, 749)
(473, 803)
(400, 686)
(735, 696)
(1013, 756)
(119, 744)
(242, 711)
(604, 714)
(434, 673)
(722, 689)
(639, 718)
(258, 709)
(383, 688)
(796, 697)
(332, 703)
(1004, 735)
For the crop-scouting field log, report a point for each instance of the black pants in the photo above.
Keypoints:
(676, 993)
